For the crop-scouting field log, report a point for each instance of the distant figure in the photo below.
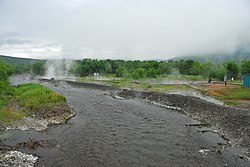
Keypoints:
(176, 81)
(225, 80)
(210, 80)
(232, 79)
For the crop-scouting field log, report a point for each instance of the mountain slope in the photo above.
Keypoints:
(16, 60)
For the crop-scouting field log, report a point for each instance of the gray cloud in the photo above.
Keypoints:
(129, 29)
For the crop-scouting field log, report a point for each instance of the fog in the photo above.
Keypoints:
(122, 29)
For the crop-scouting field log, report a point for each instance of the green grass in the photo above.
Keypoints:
(25, 100)
(183, 77)
(128, 83)
(239, 92)
(6, 93)
(164, 87)
(7, 115)
(233, 96)
(35, 96)
(236, 82)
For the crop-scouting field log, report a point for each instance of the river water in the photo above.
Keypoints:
(109, 132)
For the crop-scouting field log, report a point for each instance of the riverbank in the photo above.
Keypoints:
(33, 106)
(231, 123)
(29, 106)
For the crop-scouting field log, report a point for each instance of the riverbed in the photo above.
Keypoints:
(107, 131)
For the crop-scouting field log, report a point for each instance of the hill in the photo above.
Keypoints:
(218, 58)
(16, 60)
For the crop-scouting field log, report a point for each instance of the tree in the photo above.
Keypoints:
(120, 71)
(165, 67)
(218, 73)
(185, 66)
(5, 71)
(196, 68)
(152, 73)
(38, 68)
(139, 73)
(245, 67)
(232, 69)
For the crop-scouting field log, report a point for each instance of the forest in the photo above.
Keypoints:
(130, 69)
(149, 69)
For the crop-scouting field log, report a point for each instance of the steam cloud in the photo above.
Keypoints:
(58, 69)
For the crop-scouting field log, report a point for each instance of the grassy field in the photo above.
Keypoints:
(147, 84)
(26, 100)
(235, 93)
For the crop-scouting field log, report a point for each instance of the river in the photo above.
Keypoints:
(110, 132)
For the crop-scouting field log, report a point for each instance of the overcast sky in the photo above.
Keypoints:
(122, 29)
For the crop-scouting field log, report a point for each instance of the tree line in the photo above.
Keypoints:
(142, 69)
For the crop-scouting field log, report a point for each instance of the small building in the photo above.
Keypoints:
(246, 80)
(96, 74)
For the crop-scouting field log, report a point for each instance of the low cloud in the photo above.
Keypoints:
(118, 29)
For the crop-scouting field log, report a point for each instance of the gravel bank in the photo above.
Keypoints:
(232, 124)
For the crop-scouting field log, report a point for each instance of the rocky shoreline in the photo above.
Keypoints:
(58, 114)
(232, 124)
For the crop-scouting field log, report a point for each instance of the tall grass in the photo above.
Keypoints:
(26, 99)
(35, 96)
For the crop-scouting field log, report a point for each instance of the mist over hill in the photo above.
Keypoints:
(237, 56)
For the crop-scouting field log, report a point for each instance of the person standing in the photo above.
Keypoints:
(225, 80)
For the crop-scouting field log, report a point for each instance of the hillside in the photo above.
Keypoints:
(16, 60)
(217, 58)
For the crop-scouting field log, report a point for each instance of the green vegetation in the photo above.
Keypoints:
(140, 69)
(245, 67)
(23, 100)
(140, 84)
(156, 69)
(238, 92)
(35, 96)
(26, 100)
(25, 65)
(16, 60)
(38, 68)
(233, 94)
(131, 74)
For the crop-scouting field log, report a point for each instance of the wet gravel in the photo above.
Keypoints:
(232, 123)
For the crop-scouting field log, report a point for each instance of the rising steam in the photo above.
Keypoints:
(58, 69)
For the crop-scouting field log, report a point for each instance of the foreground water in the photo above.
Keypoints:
(112, 132)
